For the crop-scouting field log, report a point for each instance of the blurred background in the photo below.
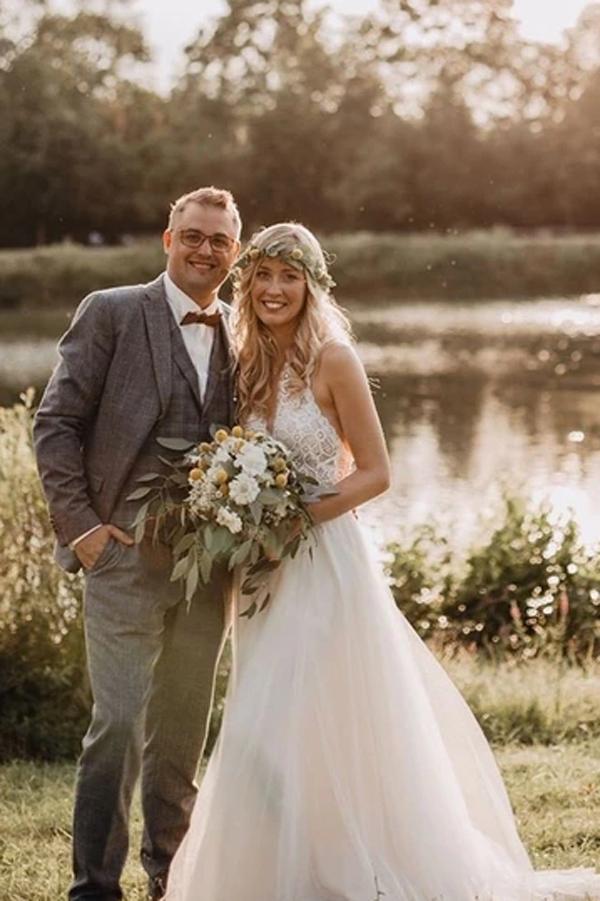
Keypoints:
(448, 154)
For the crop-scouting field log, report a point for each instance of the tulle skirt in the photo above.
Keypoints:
(349, 767)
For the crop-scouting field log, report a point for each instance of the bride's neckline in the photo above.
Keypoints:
(307, 392)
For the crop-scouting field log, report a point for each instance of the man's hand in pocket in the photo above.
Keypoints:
(89, 549)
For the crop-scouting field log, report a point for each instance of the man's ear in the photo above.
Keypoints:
(167, 239)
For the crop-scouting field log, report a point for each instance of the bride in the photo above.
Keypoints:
(348, 767)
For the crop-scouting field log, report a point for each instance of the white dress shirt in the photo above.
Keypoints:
(198, 338)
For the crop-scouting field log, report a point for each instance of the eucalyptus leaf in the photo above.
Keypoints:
(191, 582)
(148, 477)
(175, 444)
(270, 497)
(139, 493)
(240, 554)
(207, 535)
(264, 603)
(256, 509)
(180, 569)
(249, 588)
(183, 544)
(205, 567)
(222, 541)
(250, 611)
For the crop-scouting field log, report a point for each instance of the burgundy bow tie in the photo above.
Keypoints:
(211, 319)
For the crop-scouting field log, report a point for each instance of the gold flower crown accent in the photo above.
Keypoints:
(298, 257)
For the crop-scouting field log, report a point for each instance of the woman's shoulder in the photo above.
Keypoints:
(338, 360)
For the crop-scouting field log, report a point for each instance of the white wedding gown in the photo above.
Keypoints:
(348, 767)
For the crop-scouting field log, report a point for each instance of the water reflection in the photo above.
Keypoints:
(474, 399)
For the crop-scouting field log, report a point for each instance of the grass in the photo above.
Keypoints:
(555, 792)
(538, 702)
(497, 263)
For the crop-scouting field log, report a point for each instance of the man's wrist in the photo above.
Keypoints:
(73, 544)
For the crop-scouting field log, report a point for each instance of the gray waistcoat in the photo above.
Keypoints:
(186, 416)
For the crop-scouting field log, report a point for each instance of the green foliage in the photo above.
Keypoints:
(61, 276)
(43, 698)
(369, 127)
(531, 589)
(473, 265)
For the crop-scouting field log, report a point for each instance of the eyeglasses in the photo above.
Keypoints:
(194, 238)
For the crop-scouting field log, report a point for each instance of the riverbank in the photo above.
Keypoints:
(381, 267)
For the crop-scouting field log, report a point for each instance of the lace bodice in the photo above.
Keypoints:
(311, 439)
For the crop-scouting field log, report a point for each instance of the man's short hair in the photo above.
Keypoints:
(218, 197)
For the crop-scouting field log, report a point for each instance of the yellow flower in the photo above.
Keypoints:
(237, 431)
(204, 446)
(249, 434)
(221, 476)
(196, 474)
(281, 479)
(278, 464)
(221, 435)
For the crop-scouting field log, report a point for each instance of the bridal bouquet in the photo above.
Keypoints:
(237, 500)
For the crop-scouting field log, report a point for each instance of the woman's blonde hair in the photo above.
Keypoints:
(321, 319)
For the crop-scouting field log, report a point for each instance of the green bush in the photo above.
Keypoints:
(43, 697)
(532, 588)
(60, 276)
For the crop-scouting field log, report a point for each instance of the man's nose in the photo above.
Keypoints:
(205, 240)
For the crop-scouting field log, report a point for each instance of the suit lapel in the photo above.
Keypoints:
(158, 326)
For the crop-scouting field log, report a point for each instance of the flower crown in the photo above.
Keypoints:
(298, 257)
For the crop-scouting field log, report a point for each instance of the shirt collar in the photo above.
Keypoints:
(181, 303)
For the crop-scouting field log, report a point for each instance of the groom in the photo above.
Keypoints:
(139, 363)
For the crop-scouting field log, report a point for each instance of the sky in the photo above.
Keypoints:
(169, 26)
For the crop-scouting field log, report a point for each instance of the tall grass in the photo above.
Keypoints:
(473, 265)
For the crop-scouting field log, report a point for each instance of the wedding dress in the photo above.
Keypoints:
(348, 767)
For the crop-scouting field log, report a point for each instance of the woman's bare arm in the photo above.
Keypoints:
(342, 379)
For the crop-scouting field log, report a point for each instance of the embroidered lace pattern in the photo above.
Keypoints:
(312, 441)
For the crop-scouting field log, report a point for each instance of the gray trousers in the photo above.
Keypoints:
(151, 663)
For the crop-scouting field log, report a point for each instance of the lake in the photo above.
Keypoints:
(475, 399)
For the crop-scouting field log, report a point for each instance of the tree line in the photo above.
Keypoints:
(420, 116)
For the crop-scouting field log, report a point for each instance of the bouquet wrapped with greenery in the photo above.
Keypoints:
(237, 500)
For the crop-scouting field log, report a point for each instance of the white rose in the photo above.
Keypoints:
(230, 520)
(244, 489)
(252, 460)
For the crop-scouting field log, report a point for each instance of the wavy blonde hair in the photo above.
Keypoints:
(321, 321)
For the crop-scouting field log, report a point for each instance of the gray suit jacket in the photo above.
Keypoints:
(112, 384)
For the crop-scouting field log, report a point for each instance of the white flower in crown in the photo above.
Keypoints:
(252, 460)
(243, 489)
(230, 520)
(296, 253)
